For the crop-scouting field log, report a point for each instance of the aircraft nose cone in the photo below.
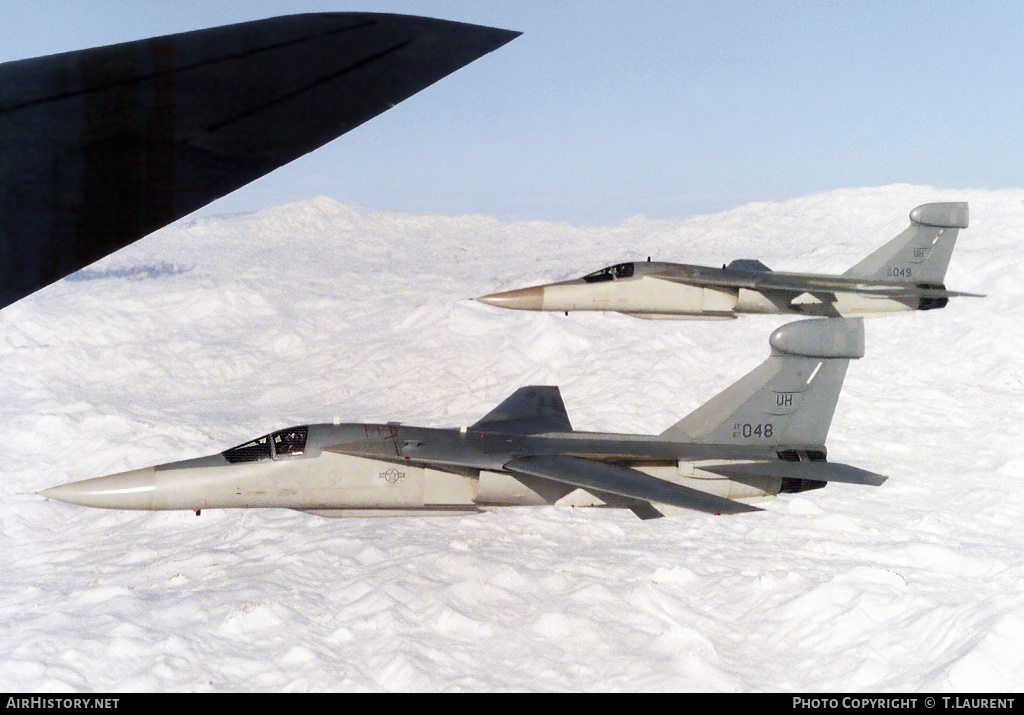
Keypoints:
(521, 299)
(127, 490)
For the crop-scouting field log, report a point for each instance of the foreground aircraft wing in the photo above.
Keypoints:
(811, 284)
(528, 410)
(623, 481)
(102, 146)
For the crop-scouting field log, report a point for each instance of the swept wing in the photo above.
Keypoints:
(623, 481)
(103, 146)
(797, 283)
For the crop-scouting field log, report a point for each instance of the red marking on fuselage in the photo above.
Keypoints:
(382, 431)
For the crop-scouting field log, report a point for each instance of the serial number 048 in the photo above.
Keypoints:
(752, 430)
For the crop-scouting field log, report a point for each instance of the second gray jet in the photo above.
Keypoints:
(905, 274)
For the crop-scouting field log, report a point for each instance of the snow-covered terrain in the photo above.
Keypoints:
(219, 329)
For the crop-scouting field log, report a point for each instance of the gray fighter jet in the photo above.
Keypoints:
(904, 274)
(763, 435)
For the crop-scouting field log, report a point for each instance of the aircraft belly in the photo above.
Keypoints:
(752, 301)
(447, 488)
(361, 513)
(645, 295)
(331, 480)
(853, 305)
(718, 300)
(687, 475)
(498, 489)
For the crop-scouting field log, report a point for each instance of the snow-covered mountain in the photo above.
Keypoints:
(219, 329)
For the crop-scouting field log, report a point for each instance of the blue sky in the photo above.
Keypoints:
(605, 109)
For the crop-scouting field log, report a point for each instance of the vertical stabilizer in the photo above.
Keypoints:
(921, 253)
(790, 398)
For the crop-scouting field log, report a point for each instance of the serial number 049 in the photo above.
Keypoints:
(752, 430)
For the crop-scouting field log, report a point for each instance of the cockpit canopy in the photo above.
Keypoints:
(271, 446)
(622, 270)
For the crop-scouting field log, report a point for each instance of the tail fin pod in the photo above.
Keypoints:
(790, 398)
(921, 253)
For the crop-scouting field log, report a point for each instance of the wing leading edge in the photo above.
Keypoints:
(103, 146)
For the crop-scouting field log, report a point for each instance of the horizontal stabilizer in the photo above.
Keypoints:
(816, 471)
(939, 293)
(624, 481)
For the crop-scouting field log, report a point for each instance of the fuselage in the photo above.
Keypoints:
(656, 290)
(391, 469)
